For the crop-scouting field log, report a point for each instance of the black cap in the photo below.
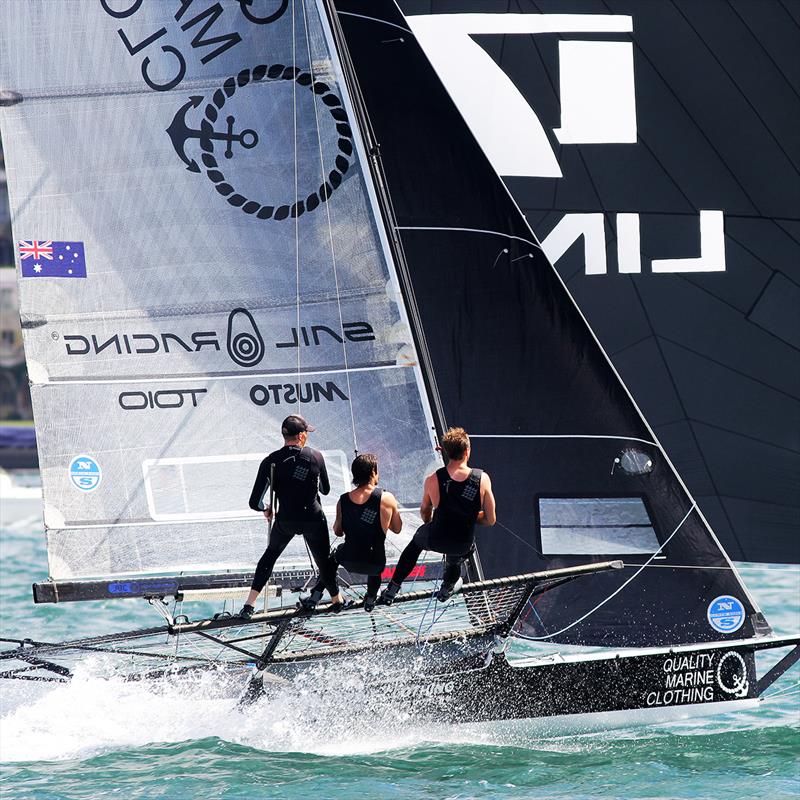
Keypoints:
(294, 424)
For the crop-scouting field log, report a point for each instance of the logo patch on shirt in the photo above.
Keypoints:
(470, 491)
(369, 515)
(300, 473)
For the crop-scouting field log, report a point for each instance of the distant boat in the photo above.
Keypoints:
(320, 231)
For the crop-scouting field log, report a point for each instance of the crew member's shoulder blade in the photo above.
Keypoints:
(312, 452)
(274, 456)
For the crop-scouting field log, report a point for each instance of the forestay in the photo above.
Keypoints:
(199, 257)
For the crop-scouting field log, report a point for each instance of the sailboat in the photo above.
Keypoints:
(231, 212)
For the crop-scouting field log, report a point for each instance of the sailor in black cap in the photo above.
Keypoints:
(299, 475)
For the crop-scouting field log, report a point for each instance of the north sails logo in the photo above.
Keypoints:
(208, 136)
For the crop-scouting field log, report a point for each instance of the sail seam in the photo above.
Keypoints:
(228, 377)
(560, 436)
(193, 521)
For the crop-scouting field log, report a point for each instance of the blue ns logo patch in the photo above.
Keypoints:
(726, 614)
(85, 473)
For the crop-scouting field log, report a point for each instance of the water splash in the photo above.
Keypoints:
(324, 710)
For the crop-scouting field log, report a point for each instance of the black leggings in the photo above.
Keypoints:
(373, 581)
(412, 552)
(315, 532)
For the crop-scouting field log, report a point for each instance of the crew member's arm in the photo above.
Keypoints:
(426, 509)
(324, 483)
(389, 504)
(488, 514)
(260, 487)
(337, 523)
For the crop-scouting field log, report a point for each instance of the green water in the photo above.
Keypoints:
(97, 738)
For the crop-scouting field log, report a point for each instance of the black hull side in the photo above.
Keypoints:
(662, 682)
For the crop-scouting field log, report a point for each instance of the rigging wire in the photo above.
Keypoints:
(297, 234)
(620, 587)
(787, 691)
(296, 216)
(330, 228)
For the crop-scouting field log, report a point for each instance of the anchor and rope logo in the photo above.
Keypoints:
(208, 136)
(180, 132)
(732, 674)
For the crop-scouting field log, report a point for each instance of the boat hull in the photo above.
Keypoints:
(582, 691)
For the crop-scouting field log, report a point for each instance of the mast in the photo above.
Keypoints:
(386, 209)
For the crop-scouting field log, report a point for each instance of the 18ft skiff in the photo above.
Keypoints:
(272, 212)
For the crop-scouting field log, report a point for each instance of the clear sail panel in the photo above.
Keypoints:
(199, 256)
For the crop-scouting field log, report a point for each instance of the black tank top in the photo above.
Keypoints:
(453, 524)
(297, 483)
(363, 550)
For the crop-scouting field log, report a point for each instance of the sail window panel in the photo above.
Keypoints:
(596, 526)
(218, 487)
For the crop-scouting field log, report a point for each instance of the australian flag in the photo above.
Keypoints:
(52, 259)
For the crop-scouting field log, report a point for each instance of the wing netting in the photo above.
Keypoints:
(415, 619)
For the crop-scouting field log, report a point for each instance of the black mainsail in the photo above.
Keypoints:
(653, 149)
(578, 473)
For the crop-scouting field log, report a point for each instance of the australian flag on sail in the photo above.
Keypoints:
(52, 259)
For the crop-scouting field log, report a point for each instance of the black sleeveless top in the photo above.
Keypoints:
(453, 524)
(363, 550)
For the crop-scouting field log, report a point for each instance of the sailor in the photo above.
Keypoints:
(299, 475)
(455, 499)
(363, 516)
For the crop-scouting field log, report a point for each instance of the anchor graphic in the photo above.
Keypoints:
(179, 132)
